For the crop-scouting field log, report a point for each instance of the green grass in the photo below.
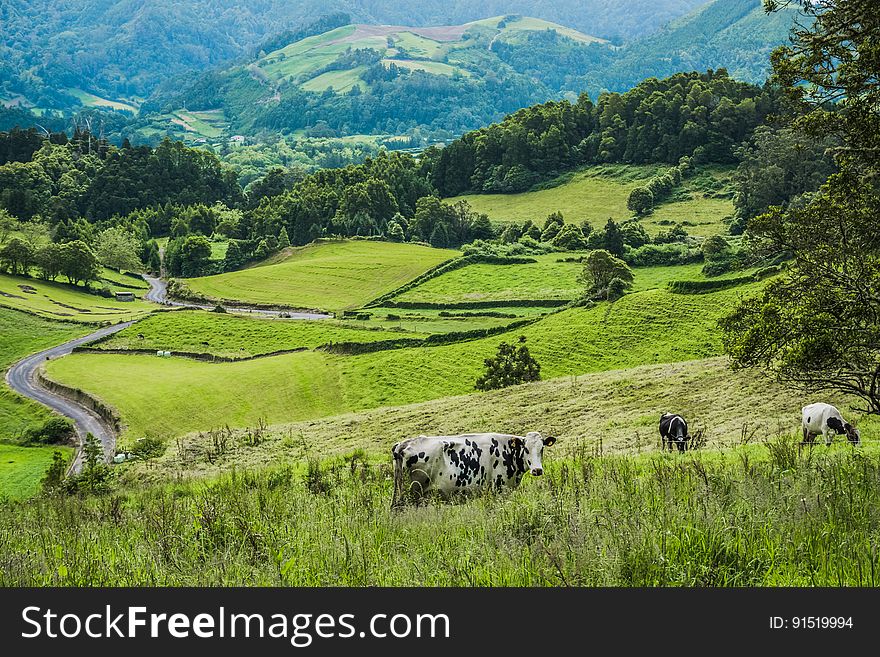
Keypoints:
(436, 68)
(331, 275)
(122, 282)
(340, 81)
(597, 193)
(546, 279)
(91, 100)
(22, 335)
(642, 328)
(590, 194)
(753, 517)
(22, 468)
(235, 336)
(55, 300)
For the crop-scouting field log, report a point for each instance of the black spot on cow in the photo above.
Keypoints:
(411, 461)
(835, 425)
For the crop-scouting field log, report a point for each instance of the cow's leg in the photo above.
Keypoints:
(828, 436)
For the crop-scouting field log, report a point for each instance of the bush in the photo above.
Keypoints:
(148, 448)
(55, 431)
(511, 366)
(601, 270)
(570, 238)
(651, 255)
(640, 200)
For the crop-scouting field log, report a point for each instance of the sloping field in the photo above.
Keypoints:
(598, 193)
(22, 468)
(332, 275)
(235, 336)
(644, 328)
(60, 301)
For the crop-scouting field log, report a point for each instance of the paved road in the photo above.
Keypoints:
(159, 294)
(21, 377)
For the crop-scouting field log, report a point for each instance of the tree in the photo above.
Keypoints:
(395, 232)
(439, 236)
(78, 263)
(118, 248)
(54, 476)
(16, 257)
(283, 239)
(612, 238)
(640, 200)
(552, 225)
(262, 251)
(600, 269)
(234, 257)
(7, 225)
(511, 366)
(188, 256)
(817, 325)
(570, 238)
(154, 257)
(48, 261)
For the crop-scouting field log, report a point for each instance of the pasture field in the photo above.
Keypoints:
(430, 321)
(122, 282)
(596, 193)
(641, 328)
(548, 278)
(234, 336)
(23, 334)
(331, 275)
(759, 515)
(54, 300)
(22, 468)
(339, 81)
(91, 100)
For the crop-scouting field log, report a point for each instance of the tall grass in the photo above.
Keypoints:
(750, 517)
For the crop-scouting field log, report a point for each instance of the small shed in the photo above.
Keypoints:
(125, 296)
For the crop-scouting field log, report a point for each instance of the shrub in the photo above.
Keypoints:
(54, 431)
(148, 448)
(601, 269)
(570, 238)
(640, 200)
(511, 365)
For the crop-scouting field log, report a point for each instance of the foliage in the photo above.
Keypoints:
(817, 325)
(118, 248)
(606, 275)
(511, 366)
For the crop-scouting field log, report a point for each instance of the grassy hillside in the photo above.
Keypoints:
(750, 517)
(236, 336)
(644, 328)
(596, 193)
(60, 301)
(22, 468)
(620, 408)
(24, 334)
(326, 275)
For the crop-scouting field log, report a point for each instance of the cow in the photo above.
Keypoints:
(674, 429)
(447, 465)
(826, 419)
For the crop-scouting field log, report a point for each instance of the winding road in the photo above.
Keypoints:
(22, 377)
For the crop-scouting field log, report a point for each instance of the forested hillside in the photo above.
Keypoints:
(124, 50)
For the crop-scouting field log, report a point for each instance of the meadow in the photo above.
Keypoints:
(22, 468)
(758, 515)
(24, 334)
(235, 336)
(54, 300)
(641, 328)
(330, 275)
(597, 193)
(548, 278)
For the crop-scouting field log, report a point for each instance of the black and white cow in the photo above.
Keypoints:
(673, 430)
(450, 464)
(826, 419)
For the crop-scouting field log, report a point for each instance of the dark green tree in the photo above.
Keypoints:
(512, 365)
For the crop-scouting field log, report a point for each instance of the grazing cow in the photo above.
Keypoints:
(673, 429)
(826, 419)
(450, 464)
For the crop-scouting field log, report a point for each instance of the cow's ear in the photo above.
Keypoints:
(549, 440)
(515, 443)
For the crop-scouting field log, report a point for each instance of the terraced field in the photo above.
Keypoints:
(60, 301)
(641, 328)
(234, 336)
(330, 275)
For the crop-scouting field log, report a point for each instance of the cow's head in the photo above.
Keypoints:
(852, 434)
(532, 447)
